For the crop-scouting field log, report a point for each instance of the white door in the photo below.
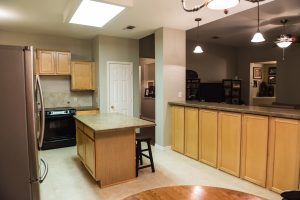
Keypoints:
(120, 87)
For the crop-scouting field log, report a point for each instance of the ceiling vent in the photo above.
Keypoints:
(129, 28)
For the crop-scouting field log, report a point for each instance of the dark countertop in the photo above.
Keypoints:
(83, 108)
(267, 111)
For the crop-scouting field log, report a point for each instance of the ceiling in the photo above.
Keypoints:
(238, 29)
(46, 17)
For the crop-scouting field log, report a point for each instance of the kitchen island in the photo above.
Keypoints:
(106, 146)
(258, 144)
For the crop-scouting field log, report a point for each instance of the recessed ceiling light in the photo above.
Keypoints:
(93, 13)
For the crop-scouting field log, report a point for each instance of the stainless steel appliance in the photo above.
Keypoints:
(22, 124)
(59, 128)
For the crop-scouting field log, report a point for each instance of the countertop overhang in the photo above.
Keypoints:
(258, 110)
(112, 121)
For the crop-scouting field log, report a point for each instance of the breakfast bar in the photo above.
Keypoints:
(106, 146)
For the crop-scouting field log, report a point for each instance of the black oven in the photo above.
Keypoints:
(59, 128)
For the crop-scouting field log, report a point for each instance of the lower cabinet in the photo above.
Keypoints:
(85, 148)
(191, 132)
(229, 142)
(255, 133)
(177, 128)
(208, 137)
(284, 144)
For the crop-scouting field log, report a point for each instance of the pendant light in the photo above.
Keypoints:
(284, 41)
(198, 48)
(211, 4)
(258, 37)
(222, 4)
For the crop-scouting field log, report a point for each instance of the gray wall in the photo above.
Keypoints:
(288, 70)
(116, 49)
(216, 63)
(170, 48)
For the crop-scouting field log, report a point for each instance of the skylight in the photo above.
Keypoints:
(93, 13)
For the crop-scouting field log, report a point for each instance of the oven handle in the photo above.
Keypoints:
(42, 120)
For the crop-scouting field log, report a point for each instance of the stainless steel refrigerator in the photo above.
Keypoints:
(21, 125)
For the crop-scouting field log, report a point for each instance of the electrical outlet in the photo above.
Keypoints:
(179, 94)
(75, 99)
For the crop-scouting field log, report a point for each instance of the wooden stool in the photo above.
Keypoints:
(140, 154)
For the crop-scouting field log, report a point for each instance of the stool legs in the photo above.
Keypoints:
(140, 154)
(150, 155)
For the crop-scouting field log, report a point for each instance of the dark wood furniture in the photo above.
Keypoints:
(139, 153)
(192, 193)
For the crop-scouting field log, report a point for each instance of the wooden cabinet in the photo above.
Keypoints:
(208, 137)
(255, 133)
(80, 137)
(229, 142)
(191, 132)
(83, 75)
(53, 62)
(177, 128)
(87, 112)
(90, 155)
(283, 161)
(86, 147)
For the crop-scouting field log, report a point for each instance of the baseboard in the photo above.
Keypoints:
(162, 147)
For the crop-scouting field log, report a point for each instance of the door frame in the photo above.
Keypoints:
(108, 81)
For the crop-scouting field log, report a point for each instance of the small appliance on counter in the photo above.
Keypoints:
(59, 128)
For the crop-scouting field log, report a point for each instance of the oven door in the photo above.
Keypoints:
(59, 131)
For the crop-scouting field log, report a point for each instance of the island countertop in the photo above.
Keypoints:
(112, 121)
(267, 111)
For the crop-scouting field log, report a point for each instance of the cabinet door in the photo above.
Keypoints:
(80, 138)
(255, 133)
(283, 172)
(208, 137)
(191, 132)
(229, 143)
(90, 155)
(177, 128)
(46, 62)
(83, 75)
(63, 63)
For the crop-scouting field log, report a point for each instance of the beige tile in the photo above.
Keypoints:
(68, 179)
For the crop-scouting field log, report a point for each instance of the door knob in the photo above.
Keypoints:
(112, 107)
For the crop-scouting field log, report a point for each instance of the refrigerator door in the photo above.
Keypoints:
(16, 168)
(34, 165)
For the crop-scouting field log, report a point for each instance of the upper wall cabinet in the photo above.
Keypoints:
(53, 62)
(83, 75)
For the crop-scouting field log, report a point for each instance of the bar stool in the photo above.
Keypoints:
(291, 195)
(140, 154)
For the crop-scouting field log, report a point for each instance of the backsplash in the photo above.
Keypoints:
(57, 93)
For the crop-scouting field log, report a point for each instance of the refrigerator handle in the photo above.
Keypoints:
(42, 121)
(42, 178)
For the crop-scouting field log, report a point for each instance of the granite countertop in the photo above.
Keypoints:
(267, 111)
(112, 121)
(83, 108)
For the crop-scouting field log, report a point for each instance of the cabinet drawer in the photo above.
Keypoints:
(87, 112)
(79, 125)
(89, 132)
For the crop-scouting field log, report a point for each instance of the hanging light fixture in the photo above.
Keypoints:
(258, 37)
(284, 40)
(198, 48)
(212, 4)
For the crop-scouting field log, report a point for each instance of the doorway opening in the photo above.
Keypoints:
(262, 83)
(147, 91)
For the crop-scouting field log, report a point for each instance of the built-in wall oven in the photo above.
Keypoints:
(59, 128)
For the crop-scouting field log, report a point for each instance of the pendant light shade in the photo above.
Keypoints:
(198, 49)
(283, 44)
(258, 37)
(222, 4)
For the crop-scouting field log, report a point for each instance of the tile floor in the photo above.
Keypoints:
(68, 180)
